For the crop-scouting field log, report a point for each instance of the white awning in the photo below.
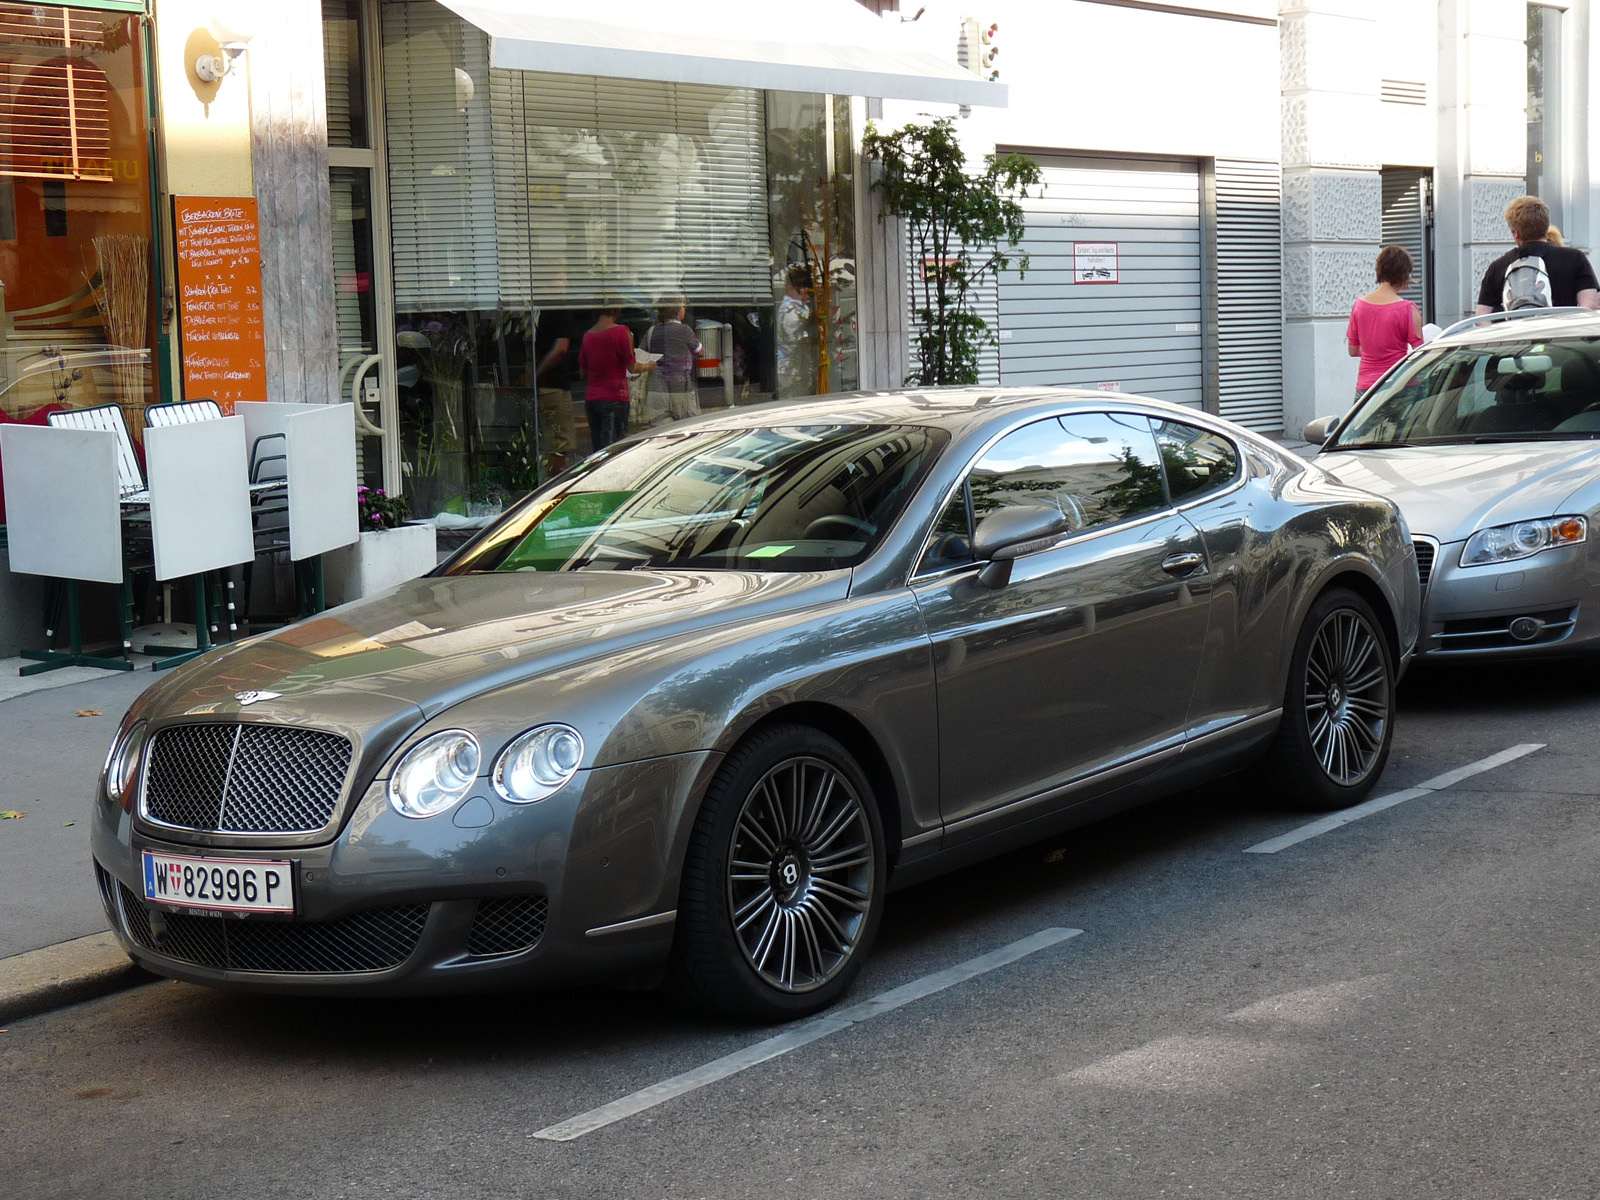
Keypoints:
(729, 43)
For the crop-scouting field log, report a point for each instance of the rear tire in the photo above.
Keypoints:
(783, 882)
(1338, 708)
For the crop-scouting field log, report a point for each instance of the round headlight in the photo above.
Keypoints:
(435, 774)
(1529, 537)
(123, 763)
(538, 762)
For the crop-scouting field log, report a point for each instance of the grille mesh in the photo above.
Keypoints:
(366, 941)
(245, 778)
(1425, 552)
(506, 925)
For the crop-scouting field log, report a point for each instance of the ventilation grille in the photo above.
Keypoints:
(507, 925)
(238, 778)
(1425, 552)
(1404, 91)
(1250, 293)
(374, 940)
(1494, 633)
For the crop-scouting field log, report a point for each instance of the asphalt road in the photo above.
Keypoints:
(1403, 1007)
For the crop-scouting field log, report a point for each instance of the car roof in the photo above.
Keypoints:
(956, 409)
(1531, 325)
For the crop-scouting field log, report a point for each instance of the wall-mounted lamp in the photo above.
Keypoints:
(233, 33)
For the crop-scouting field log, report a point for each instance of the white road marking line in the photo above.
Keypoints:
(799, 1035)
(1427, 787)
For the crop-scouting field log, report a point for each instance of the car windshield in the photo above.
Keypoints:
(788, 498)
(1508, 391)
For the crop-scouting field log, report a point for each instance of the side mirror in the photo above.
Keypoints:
(1005, 536)
(1320, 430)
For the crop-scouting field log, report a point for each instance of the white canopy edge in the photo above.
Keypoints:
(724, 43)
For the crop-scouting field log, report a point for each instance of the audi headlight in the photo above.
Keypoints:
(122, 765)
(1507, 543)
(537, 763)
(435, 774)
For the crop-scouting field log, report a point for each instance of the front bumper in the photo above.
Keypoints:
(1534, 607)
(577, 887)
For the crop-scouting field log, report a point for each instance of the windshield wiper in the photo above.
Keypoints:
(1550, 435)
(1367, 445)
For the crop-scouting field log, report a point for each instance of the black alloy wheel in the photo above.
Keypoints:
(1338, 711)
(784, 879)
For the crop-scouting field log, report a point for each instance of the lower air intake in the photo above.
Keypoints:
(374, 940)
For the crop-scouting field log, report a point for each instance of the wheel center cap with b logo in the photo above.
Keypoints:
(787, 875)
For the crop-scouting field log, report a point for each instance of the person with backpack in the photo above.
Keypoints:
(1539, 273)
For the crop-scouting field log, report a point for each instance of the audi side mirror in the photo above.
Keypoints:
(1320, 430)
(1005, 536)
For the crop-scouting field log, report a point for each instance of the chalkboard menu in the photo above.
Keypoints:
(219, 299)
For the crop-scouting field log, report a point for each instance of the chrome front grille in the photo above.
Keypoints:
(374, 940)
(1425, 553)
(216, 777)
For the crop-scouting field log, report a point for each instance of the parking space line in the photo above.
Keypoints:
(1426, 788)
(799, 1035)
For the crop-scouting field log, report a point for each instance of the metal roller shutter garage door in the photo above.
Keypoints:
(1141, 332)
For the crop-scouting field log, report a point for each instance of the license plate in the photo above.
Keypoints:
(244, 885)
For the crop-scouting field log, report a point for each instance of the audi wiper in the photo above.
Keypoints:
(1367, 446)
(1552, 435)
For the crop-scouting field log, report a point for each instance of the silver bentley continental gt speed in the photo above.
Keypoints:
(1489, 441)
(695, 707)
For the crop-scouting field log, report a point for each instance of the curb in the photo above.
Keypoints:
(69, 973)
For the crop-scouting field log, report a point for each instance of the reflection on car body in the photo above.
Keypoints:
(698, 704)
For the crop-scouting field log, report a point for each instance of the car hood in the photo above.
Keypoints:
(433, 642)
(1447, 492)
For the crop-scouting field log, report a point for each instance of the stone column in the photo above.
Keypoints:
(1483, 142)
(1332, 194)
(289, 157)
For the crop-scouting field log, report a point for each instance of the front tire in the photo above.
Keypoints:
(1338, 707)
(783, 882)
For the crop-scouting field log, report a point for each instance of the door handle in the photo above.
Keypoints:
(1182, 564)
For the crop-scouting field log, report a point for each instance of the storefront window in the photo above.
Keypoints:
(77, 321)
(524, 207)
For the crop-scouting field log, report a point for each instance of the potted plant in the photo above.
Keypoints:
(389, 551)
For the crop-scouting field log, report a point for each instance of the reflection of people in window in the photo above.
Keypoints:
(797, 336)
(604, 362)
(553, 340)
(672, 394)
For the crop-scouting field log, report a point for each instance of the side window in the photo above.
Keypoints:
(950, 543)
(1097, 468)
(1197, 460)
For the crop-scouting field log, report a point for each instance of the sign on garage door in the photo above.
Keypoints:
(1112, 294)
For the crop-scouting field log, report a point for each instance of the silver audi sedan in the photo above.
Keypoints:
(1487, 440)
(691, 710)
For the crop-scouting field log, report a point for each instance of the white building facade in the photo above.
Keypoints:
(1236, 166)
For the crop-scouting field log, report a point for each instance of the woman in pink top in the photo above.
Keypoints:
(1384, 325)
(605, 360)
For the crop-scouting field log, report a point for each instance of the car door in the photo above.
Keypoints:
(1088, 657)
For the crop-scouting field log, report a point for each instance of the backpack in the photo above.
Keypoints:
(1527, 284)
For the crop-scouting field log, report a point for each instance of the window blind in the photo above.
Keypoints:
(441, 160)
(629, 188)
(54, 106)
(337, 33)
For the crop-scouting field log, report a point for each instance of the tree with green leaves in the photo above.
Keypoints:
(963, 227)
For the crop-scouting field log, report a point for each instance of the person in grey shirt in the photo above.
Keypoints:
(672, 393)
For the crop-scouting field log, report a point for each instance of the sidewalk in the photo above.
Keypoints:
(54, 945)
